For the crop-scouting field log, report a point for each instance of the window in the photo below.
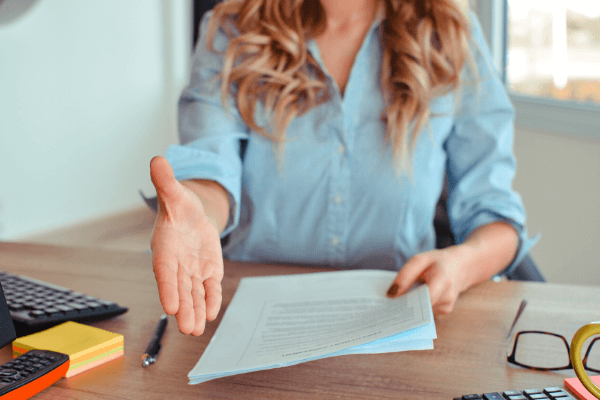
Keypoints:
(548, 53)
(554, 49)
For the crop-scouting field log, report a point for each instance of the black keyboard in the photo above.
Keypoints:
(529, 394)
(35, 305)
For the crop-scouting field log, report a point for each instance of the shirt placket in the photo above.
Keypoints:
(339, 201)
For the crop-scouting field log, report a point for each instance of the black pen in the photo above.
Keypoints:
(154, 346)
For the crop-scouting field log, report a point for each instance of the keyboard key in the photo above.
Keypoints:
(37, 313)
(52, 311)
(94, 305)
(549, 390)
(538, 396)
(493, 396)
(77, 306)
(517, 397)
(512, 393)
(15, 306)
(471, 397)
(69, 311)
(532, 391)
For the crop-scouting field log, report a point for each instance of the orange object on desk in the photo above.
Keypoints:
(574, 384)
(36, 386)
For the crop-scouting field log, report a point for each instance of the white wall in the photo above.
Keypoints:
(559, 181)
(88, 93)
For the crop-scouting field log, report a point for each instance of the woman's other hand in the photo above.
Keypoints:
(186, 252)
(448, 272)
(440, 269)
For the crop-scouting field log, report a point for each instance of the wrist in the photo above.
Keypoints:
(464, 259)
(213, 200)
(213, 223)
(488, 250)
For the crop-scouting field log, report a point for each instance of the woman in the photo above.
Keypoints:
(320, 132)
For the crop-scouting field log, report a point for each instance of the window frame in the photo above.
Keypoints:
(569, 119)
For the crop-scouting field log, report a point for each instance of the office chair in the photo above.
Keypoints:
(200, 7)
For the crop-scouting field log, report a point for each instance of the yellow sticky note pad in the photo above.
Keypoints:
(82, 343)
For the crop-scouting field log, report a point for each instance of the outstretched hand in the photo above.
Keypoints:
(186, 253)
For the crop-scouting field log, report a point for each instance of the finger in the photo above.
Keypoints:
(165, 274)
(163, 179)
(443, 309)
(199, 306)
(408, 275)
(214, 298)
(442, 300)
(437, 284)
(185, 314)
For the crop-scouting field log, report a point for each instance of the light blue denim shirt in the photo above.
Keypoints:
(337, 200)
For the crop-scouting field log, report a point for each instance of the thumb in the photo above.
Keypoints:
(408, 275)
(163, 179)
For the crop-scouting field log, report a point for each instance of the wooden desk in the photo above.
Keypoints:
(469, 354)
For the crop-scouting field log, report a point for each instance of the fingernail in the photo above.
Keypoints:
(393, 290)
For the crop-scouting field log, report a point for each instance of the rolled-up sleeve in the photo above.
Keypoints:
(210, 135)
(481, 163)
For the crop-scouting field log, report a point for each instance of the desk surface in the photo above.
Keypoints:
(469, 355)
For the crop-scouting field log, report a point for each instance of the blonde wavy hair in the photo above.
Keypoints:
(425, 48)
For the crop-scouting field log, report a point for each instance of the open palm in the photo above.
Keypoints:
(186, 253)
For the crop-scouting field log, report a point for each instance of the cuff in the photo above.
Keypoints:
(488, 217)
(190, 163)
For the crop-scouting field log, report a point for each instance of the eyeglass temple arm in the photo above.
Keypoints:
(519, 312)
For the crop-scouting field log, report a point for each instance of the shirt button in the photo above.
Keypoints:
(337, 199)
(342, 149)
(335, 241)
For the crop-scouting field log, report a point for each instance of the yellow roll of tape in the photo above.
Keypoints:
(579, 339)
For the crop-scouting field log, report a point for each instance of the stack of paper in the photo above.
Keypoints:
(276, 321)
(86, 346)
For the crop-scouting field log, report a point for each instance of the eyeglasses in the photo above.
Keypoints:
(538, 350)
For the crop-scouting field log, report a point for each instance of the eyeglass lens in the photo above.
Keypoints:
(540, 350)
(593, 355)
